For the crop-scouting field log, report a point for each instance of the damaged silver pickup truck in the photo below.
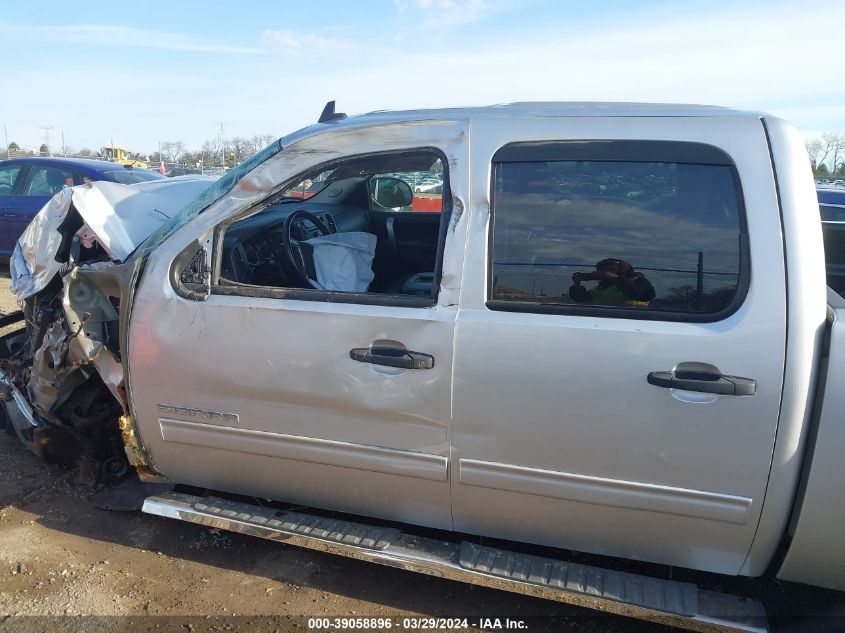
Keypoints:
(562, 325)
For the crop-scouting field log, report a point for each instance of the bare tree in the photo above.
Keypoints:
(837, 149)
(239, 148)
(815, 149)
(260, 141)
(207, 152)
(172, 150)
(828, 146)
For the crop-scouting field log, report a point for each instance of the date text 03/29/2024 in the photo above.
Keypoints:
(414, 624)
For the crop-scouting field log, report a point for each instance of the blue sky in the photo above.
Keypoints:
(142, 73)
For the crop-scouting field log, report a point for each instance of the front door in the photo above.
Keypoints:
(620, 345)
(276, 388)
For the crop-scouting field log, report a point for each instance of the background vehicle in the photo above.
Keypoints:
(182, 171)
(26, 184)
(119, 155)
(832, 208)
(456, 382)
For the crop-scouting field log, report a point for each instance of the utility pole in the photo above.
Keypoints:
(64, 147)
(222, 146)
(6, 134)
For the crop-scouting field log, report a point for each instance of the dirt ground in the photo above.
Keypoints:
(68, 566)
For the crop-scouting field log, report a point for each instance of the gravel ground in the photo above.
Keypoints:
(7, 301)
(61, 559)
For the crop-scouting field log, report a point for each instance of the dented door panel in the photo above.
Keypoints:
(260, 395)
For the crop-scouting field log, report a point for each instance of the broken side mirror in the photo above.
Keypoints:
(390, 193)
(190, 273)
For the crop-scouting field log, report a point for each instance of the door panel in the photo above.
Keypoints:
(313, 426)
(19, 214)
(261, 396)
(558, 438)
(12, 177)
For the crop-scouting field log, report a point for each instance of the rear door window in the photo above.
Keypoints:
(46, 180)
(8, 176)
(643, 227)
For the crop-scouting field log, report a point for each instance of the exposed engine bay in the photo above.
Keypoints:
(53, 361)
(61, 373)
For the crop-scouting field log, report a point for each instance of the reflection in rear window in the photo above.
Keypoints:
(131, 176)
(656, 235)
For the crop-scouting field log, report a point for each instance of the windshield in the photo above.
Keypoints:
(310, 186)
(208, 197)
(131, 176)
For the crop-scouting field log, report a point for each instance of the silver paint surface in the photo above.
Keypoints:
(568, 393)
(816, 554)
(284, 366)
(507, 388)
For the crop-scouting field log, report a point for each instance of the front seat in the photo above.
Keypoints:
(56, 180)
(418, 284)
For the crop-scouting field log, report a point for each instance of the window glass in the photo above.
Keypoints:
(131, 176)
(426, 186)
(8, 175)
(831, 213)
(633, 235)
(47, 181)
(353, 226)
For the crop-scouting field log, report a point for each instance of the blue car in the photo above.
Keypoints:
(831, 203)
(832, 208)
(26, 184)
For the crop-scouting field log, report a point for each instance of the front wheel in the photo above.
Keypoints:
(5, 422)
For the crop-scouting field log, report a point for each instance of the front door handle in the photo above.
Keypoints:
(704, 382)
(392, 357)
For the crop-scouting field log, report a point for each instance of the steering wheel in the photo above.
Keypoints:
(293, 258)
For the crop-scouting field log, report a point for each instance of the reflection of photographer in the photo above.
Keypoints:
(618, 284)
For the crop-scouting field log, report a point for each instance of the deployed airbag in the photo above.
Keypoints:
(343, 261)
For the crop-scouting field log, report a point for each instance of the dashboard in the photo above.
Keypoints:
(252, 248)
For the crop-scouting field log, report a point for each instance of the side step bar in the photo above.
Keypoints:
(678, 604)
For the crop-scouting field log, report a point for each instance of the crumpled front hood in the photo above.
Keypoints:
(123, 216)
(119, 216)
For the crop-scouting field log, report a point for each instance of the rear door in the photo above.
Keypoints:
(628, 293)
(39, 184)
(11, 178)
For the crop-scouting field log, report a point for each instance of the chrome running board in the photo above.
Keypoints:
(668, 602)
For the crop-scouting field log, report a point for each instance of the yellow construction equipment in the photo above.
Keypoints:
(118, 154)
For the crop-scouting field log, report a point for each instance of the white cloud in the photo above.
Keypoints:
(331, 51)
(444, 14)
(297, 42)
(120, 36)
(741, 57)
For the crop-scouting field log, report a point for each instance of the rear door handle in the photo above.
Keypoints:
(392, 357)
(704, 382)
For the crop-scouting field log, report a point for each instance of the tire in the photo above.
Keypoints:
(5, 422)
